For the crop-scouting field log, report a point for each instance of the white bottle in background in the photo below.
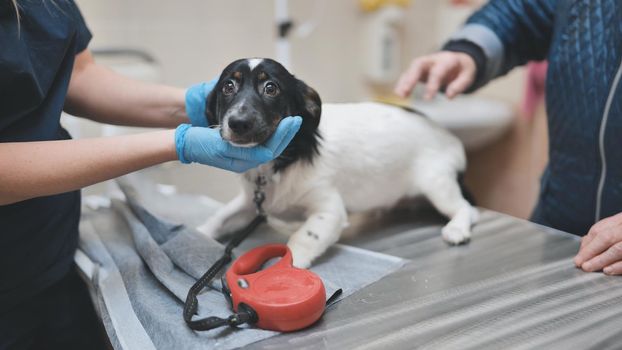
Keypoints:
(384, 44)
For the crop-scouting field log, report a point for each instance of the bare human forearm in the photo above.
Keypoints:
(33, 169)
(100, 94)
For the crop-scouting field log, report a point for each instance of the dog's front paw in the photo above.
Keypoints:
(302, 255)
(455, 235)
(211, 228)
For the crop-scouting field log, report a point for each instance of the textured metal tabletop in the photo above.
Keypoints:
(513, 286)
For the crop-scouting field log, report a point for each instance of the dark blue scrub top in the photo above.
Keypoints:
(38, 237)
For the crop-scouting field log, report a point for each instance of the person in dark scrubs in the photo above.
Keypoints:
(45, 68)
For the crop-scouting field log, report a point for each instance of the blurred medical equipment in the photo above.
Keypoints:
(384, 37)
(286, 27)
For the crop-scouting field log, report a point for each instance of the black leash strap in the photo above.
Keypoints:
(334, 298)
(192, 303)
(244, 315)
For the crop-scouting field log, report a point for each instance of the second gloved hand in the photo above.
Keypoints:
(206, 146)
(196, 98)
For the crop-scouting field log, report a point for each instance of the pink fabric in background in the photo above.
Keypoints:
(534, 88)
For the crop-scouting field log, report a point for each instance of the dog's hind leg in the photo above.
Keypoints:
(236, 214)
(443, 191)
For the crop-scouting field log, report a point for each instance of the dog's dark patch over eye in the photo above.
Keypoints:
(228, 88)
(237, 75)
(262, 76)
(271, 89)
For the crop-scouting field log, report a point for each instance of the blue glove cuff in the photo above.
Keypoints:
(180, 141)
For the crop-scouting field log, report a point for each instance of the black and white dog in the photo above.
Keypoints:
(361, 156)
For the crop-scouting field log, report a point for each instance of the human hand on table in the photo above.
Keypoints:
(601, 248)
(454, 70)
(206, 146)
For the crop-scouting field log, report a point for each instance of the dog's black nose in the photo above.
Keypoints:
(240, 125)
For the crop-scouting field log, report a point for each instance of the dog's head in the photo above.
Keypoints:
(253, 95)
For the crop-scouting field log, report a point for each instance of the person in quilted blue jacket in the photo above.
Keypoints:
(581, 188)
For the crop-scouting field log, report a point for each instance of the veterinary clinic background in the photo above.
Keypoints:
(381, 140)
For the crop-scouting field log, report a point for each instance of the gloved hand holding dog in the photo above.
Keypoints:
(200, 144)
(206, 146)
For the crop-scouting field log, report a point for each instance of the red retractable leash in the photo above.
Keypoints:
(284, 298)
(280, 298)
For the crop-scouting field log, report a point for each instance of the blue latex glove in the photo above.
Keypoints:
(206, 146)
(196, 98)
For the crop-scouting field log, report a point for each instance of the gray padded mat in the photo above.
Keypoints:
(145, 260)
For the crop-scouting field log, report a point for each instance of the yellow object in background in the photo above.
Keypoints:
(392, 99)
(373, 5)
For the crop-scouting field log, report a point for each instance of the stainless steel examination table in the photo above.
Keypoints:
(513, 286)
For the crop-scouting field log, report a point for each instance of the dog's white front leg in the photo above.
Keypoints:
(233, 216)
(321, 229)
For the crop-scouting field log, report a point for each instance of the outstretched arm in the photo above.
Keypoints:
(33, 169)
(100, 94)
(510, 33)
(500, 36)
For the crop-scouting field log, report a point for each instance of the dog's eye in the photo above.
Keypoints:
(271, 89)
(228, 88)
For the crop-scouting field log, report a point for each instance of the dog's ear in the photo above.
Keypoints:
(309, 104)
(210, 106)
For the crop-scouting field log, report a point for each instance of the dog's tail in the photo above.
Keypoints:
(413, 111)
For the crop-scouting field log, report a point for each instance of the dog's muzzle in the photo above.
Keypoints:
(244, 131)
